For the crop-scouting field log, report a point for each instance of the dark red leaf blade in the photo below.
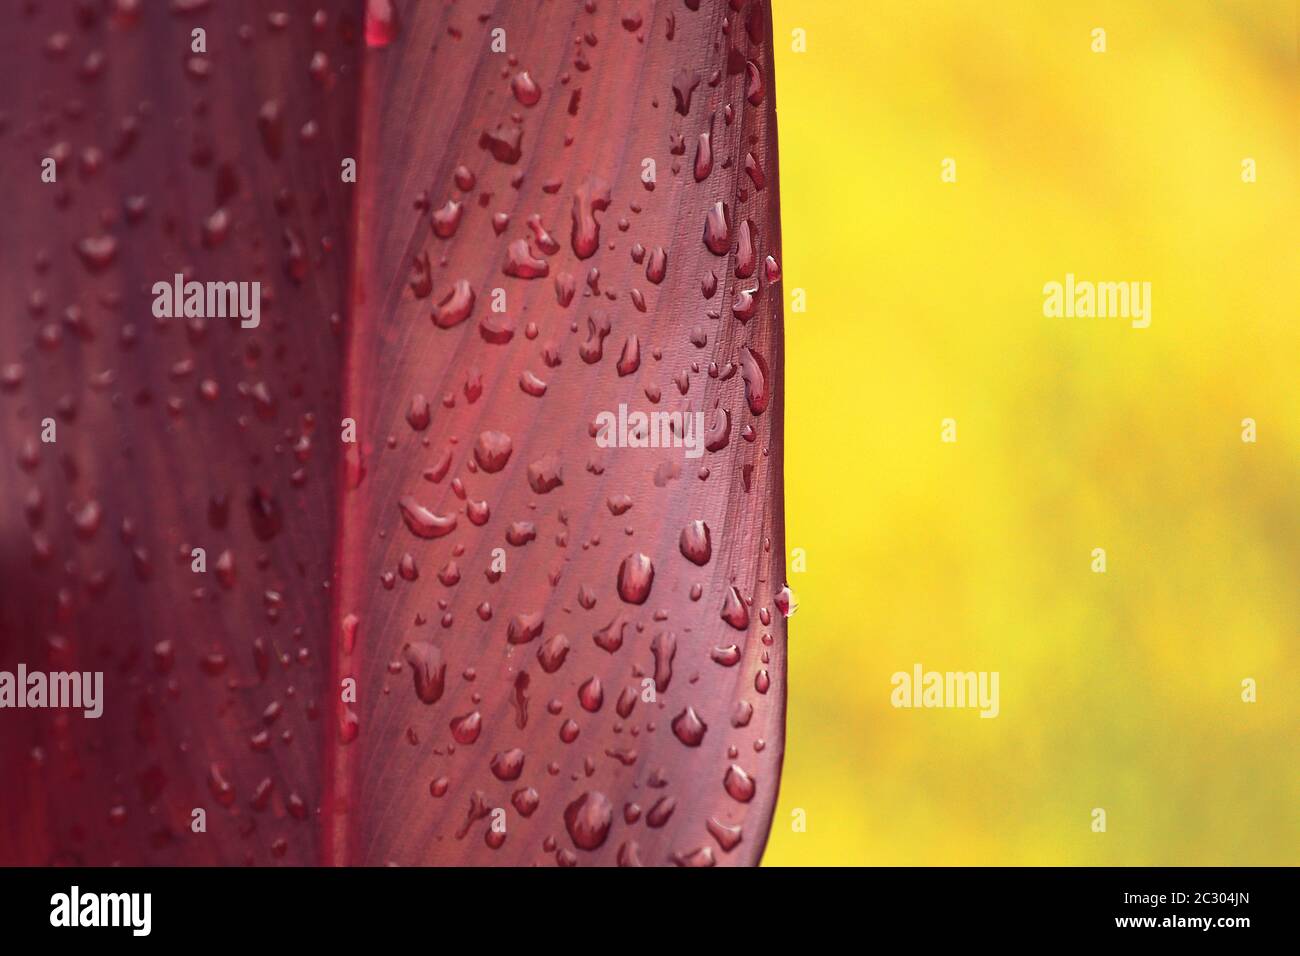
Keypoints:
(673, 780)
(477, 734)
(172, 434)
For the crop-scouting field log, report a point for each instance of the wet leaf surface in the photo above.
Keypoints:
(440, 620)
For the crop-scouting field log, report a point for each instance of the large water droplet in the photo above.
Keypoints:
(695, 543)
(525, 88)
(753, 369)
(588, 820)
(508, 765)
(465, 729)
(422, 522)
(454, 307)
(635, 576)
(734, 611)
(429, 670)
(717, 230)
(492, 451)
(382, 25)
(739, 785)
(591, 197)
(688, 728)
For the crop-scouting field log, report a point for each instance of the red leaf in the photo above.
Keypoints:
(500, 274)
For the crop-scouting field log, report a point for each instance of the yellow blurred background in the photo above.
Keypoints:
(1120, 690)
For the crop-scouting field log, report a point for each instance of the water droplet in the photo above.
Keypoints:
(746, 253)
(695, 543)
(588, 819)
(382, 25)
(465, 729)
(591, 695)
(684, 84)
(703, 158)
(97, 253)
(717, 230)
(753, 84)
(635, 576)
(657, 267)
(530, 384)
(552, 653)
(728, 837)
(591, 197)
(610, 637)
(492, 451)
(429, 670)
(545, 474)
(508, 765)
(738, 784)
(699, 857)
(659, 813)
(734, 611)
(522, 264)
(663, 647)
(525, 88)
(455, 307)
(417, 413)
(422, 522)
(524, 627)
(270, 126)
(349, 726)
(728, 656)
(504, 143)
(753, 369)
(688, 728)
(264, 514)
(630, 360)
(219, 786)
(447, 219)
